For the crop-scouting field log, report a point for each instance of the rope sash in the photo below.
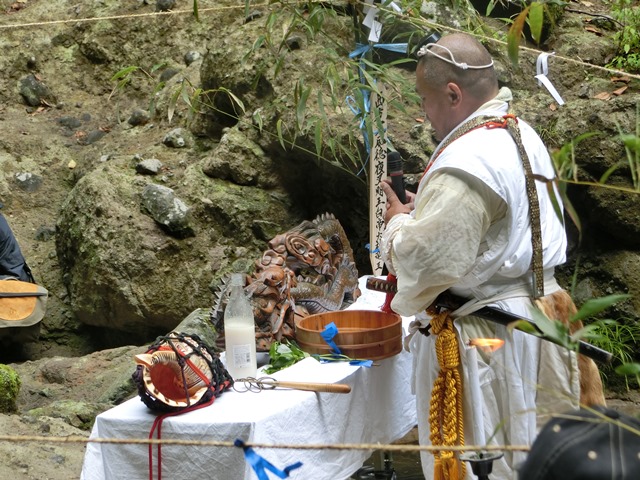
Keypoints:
(446, 426)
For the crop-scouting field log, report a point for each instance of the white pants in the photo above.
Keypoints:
(520, 384)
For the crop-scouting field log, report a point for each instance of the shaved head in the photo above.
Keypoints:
(482, 84)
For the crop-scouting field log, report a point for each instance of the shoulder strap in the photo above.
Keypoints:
(510, 122)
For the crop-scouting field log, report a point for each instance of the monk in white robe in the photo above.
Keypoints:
(468, 230)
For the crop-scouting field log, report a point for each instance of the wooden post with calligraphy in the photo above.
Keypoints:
(377, 173)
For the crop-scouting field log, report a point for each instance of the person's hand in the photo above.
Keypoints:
(394, 205)
(411, 197)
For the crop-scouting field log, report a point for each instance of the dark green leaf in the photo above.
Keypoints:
(631, 141)
(552, 329)
(605, 176)
(571, 211)
(628, 369)
(523, 326)
(195, 10)
(596, 305)
(536, 19)
(318, 137)
(124, 72)
(279, 130)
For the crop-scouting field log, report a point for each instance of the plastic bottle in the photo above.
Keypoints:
(239, 332)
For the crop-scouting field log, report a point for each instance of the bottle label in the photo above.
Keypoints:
(241, 356)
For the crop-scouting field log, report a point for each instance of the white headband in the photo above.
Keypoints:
(428, 49)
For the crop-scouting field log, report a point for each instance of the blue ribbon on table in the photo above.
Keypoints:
(260, 464)
(329, 332)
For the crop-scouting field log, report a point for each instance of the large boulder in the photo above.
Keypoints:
(127, 262)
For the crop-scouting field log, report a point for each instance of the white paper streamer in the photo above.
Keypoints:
(376, 30)
(542, 71)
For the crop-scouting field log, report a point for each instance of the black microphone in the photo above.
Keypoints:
(394, 171)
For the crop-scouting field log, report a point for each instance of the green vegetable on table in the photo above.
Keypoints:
(283, 355)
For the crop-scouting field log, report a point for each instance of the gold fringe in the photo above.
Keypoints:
(445, 409)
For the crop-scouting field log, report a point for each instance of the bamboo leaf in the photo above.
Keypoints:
(551, 328)
(515, 34)
(554, 201)
(185, 94)
(124, 72)
(588, 332)
(236, 100)
(301, 107)
(605, 176)
(371, 82)
(573, 215)
(279, 130)
(195, 10)
(320, 103)
(194, 103)
(257, 117)
(318, 137)
(628, 369)
(278, 67)
(523, 326)
(173, 101)
(536, 19)
(158, 66)
(631, 141)
(596, 305)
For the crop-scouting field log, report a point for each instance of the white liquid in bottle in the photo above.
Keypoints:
(239, 332)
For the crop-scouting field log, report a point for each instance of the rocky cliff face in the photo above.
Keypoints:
(147, 154)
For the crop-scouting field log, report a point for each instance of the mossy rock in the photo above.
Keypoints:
(77, 414)
(9, 388)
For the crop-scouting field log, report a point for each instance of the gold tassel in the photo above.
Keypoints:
(445, 409)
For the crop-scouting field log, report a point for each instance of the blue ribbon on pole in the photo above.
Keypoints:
(360, 52)
(260, 464)
(329, 332)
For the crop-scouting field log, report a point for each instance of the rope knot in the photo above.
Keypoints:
(445, 409)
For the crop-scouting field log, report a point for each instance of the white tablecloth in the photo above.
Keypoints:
(380, 408)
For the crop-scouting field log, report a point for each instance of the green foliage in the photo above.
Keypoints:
(632, 149)
(283, 355)
(559, 333)
(125, 77)
(619, 338)
(594, 306)
(341, 78)
(533, 14)
(627, 13)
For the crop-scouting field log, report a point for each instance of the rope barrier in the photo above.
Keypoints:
(431, 24)
(227, 444)
(127, 16)
(421, 21)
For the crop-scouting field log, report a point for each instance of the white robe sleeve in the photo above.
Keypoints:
(437, 244)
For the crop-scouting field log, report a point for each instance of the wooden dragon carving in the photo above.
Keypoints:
(309, 269)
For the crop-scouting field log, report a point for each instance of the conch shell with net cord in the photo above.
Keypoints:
(175, 380)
